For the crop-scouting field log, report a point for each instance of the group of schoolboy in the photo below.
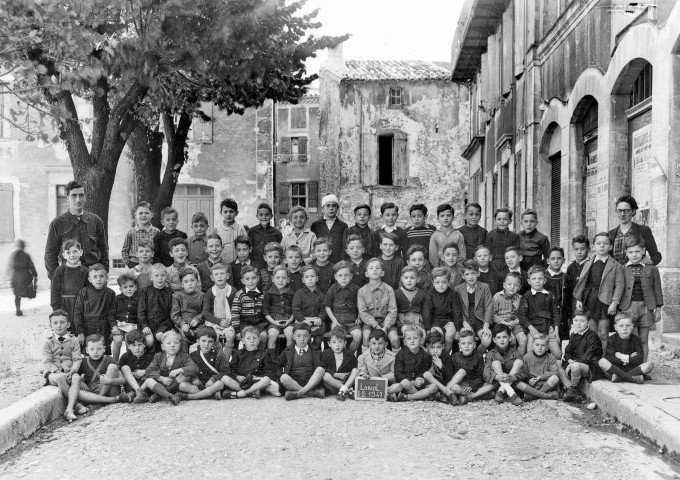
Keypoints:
(480, 314)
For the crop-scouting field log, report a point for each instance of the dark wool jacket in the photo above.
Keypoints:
(154, 309)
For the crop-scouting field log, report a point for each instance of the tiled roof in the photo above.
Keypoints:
(311, 97)
(387, 70)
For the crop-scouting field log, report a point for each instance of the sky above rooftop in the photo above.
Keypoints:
(388, 29)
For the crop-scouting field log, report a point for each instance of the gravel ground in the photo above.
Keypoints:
(311, 438)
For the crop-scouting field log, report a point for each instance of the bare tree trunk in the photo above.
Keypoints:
(176, 138)
(146, 149)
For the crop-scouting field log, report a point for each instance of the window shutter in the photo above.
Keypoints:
(298, 118)
(6, 212)
(285, 146)
(369, 162)
(555, 190)
(302, 145)
(283, 197)
(312, 194)
(399, 160)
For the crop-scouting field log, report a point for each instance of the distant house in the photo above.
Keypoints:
(392, 131)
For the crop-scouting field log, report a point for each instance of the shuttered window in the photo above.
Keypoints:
(555, 190)
(385, 159)
(298, 118)
(292, 194)
(6, 212)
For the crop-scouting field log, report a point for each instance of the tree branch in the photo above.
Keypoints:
(101, 112)
(70, 129)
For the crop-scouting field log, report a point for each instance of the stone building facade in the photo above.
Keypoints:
(572, 104)
(392, 131)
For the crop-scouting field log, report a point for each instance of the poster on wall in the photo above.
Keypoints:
(591, 194)
(640, 151)
(602, 198)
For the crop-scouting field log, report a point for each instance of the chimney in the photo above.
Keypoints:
(335, 56)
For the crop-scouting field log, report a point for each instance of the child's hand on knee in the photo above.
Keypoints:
(533, 381)
(466, 390)
(146, 331)
(418, 382)
(165, 381)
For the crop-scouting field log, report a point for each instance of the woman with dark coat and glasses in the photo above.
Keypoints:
(626, 208)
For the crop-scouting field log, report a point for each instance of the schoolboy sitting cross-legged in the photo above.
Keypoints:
(468, 381)
(503, 365)
(253, 367)
(410, 366)
(340, 366)
(378, 362)
(100, 379)
(539, 371)
(170, 370)
(134, 363)
(300, 366)
(61, 360)
(581, 354)
(442, 369)
(624, 360)
(213, 368)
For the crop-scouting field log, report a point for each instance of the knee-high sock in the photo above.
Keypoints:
(636, 371)
(160, 390)
(614, 370)
(535, 392)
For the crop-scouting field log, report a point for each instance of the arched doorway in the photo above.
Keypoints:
(548, 182)
(584, 128)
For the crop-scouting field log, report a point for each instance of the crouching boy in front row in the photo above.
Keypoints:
(539, 371)
(170, 370)
(503, 365)
(301, 370)
(624, 360)
(378, 362)
(410, 366)
(100, 379)
(340, 366)
(134, 363)
(468, 381)
(253, 367)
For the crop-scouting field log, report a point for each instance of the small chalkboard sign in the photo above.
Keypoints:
(374, 388)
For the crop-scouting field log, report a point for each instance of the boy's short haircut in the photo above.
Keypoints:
(466, 333)
(634, 241)
(273, 247)
(249, 269)
(408, 269)
(471, 205)
(177, 241)
(168, 334)
(309, 267)
(353, 238)
(266, 206)
(362, 205)
(338, 332)
(621, 316)
(582, 312)
(96, 267)
(243, 240)
(503, 210)
(123, 278)
(601, 234)
(279, 268)
(168, 211)
(470, 265)
(158, 266)
(293, 248)
(514, 248)
(433, 337)
(298, 208)
(204, 331)
(219, 266)
(340, 265)
(483, 247)
(58, 313)
(418, 207)
(72, 185)
(387, 206)
(453, 245)
(559, 250)
(500, 327)
(581, 239)
(186, 272)
(134, 336)
(515, 275)
(391, 235)
(214, 236)
(372, 261)
(249, 329)
(302, 326)
(529, 211)
(199, 217)
(444, 207)
(94, 338)
(322, 241)
(536, 269)
(416, 248)
(378, 334)
(229, 203)
(69, 244)
(540, 336)
(414, 329)
(145, 243)
(440, 272)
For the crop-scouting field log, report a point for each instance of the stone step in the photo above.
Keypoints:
(671, 340)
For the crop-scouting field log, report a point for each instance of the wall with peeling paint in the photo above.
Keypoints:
(435, 122)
